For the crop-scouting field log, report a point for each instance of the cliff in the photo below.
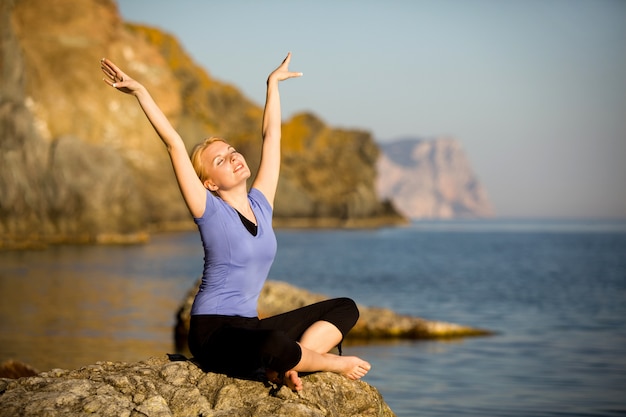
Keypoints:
(430, 180)
(174, 386)
(80, 163)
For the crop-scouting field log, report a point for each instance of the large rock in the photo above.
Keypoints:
(431, 179)
(160, 387)
(374, 323)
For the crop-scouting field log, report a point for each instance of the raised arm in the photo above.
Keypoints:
(190, 185)
(267, 177)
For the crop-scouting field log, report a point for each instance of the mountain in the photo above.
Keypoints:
(430, 180)
(79, 162)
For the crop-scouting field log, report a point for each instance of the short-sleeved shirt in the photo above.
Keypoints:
(236, 263)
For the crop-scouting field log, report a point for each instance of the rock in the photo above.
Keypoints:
(382, 323)
(14, 369)
(174, 386)
(430, 180)
(374, 323)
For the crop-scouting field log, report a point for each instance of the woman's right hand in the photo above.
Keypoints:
(117, 78)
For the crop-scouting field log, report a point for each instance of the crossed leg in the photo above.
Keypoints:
(316, 343)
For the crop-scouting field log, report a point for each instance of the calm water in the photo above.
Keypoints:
(555, 293)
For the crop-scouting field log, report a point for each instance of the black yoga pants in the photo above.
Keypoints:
(240, 346)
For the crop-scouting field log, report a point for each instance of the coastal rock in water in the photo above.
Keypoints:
(161, 387)
(374, 323)
(430, 180)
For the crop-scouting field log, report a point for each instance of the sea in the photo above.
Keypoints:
(552, 292)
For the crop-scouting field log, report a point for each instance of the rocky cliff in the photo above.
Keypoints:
(430, 180)
(79, 162)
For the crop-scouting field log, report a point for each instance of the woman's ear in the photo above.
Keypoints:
(209, 185)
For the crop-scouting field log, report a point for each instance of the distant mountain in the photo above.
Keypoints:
(430, 180)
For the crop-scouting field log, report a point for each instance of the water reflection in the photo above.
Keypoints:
(72, 306)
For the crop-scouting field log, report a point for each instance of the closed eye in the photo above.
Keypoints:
(218, 160)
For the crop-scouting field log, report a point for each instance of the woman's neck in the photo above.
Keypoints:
(239, 201)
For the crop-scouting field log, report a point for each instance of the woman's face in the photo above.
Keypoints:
(224, 166)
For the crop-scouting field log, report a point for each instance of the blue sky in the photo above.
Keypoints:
(535, 90)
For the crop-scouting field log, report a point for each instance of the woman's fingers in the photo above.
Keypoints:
(115, 77)
(287, 59)
(114, 74)
(110, 66)
(106, 68)
(282, 72)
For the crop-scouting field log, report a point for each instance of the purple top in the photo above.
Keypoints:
(236, 263)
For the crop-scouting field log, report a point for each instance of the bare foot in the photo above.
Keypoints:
(353, 367)
(291, 379)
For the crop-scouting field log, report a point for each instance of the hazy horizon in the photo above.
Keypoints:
(533, 90)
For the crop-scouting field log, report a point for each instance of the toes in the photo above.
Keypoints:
(359, 371)
(293, 381)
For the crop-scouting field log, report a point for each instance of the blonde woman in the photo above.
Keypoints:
(235, 226)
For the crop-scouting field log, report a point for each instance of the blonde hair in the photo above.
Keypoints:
(196, 156)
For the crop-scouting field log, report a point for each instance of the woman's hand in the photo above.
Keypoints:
(282, 72)
(117, 78)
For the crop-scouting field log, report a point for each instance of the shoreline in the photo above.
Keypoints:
(12, 242)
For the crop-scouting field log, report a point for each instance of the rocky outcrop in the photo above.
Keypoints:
(374, 323)
(173, 386)
(430, 180)
(79, 162)
(15, 369)
(343, 185)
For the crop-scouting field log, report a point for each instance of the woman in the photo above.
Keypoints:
(239, 244)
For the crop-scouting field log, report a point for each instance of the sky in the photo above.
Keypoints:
(534, 90)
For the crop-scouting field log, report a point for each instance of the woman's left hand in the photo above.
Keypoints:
(282, 72)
